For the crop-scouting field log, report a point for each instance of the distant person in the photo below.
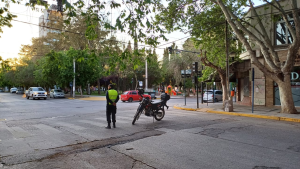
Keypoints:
(232, 93)
(112, 97)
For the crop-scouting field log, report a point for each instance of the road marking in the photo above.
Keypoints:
(92, 123)
(47, 129)
(18, 132)
(71, 126)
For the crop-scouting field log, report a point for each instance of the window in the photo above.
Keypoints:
(133, 93)
(282, 34)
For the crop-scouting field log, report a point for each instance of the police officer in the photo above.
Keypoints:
(112, 98)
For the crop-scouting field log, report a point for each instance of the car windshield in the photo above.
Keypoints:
(125, 92)
(38, 89)
(57, 90)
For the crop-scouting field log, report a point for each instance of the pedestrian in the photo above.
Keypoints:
(112, 97)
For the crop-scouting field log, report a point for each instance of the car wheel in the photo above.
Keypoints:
(27, 97)
(123, 101)
(216, 100)
(130, 100)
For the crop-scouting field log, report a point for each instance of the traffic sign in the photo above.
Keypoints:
(188, 71)
(71, 84)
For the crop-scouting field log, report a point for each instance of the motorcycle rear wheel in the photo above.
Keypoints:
(159, 117)
(137, 114)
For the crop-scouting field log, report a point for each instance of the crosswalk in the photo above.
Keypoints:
(54, 126)
(59, 131)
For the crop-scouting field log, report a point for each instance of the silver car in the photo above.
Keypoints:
(55, 93)
(13, 90)
(210, 96)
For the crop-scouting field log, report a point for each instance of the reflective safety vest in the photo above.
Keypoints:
(112, 95)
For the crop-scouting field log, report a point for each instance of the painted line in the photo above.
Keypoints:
(242, 114)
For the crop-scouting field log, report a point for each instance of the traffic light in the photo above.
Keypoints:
(199, 74)
(170, 49)
(195, 67)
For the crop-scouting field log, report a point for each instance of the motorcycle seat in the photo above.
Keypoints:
(157, 102)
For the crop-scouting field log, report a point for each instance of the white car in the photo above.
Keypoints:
(13, 90)
(209, 95)
(55, 93)
(36, 92)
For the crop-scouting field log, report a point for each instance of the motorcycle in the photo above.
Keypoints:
(152, 109)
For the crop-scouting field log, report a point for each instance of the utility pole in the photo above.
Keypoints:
(74, 79)
(227, 60)
(228, 103)
(184, 87)
(146, 75)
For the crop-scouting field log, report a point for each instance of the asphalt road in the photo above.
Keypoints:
(64, 133)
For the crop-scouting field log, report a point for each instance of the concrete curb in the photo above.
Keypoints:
(183, 108)
(243, 114)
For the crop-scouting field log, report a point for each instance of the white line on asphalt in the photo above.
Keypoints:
(18, 132)
(69, 125)
(47, 129)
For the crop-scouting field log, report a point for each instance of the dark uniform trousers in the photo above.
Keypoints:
(111, 111)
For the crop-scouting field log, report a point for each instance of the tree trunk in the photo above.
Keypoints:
(136, 81)
(224, 88)
(80, 90)
(286, 98)
(98, 84)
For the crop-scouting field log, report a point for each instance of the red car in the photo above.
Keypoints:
(132, 95)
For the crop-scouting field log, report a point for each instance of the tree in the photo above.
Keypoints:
(278, 70)
(57, 68)
(179, 15)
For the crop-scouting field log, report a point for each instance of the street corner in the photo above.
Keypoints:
(179, 107)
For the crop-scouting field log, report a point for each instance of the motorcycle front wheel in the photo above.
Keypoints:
(160, 115)
(137, 114)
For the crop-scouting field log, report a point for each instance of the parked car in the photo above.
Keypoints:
(55, 93)
(36, 92)
(19, 91)
(132, 95)
(209, 95)
(152, 94)
(13, 90)
(1, 90)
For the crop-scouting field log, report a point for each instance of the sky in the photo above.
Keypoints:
(22, 33)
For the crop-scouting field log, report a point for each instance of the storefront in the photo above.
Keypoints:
(295, 85)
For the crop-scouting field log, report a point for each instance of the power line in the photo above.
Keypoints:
(175, 40)
(78, 33)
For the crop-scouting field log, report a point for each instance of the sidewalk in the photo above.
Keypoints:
(88, 97)
(241, 110)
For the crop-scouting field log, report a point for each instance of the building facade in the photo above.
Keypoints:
(266, 91)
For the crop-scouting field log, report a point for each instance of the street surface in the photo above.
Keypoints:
(66, 133)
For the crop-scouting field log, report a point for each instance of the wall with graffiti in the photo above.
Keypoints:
(259, 91)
